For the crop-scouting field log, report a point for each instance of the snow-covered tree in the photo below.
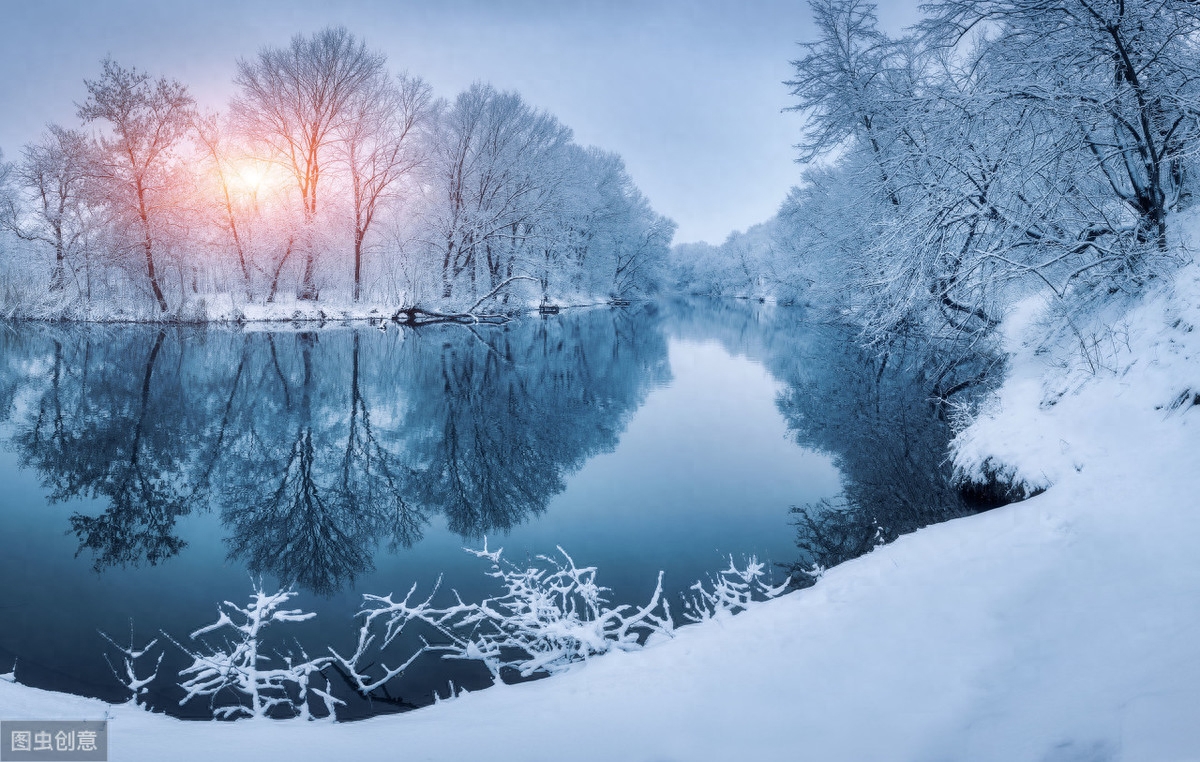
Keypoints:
(760, 263)
(129, 675)
(848, 83)
(497, 170)
(294, 103)
(53, 173)
(1120, 76)
(327, 172)
(382, 145)
(601, 237)
(1006, 146)
(228, 196)
(550, 615)
(135, 166)
(731, 591)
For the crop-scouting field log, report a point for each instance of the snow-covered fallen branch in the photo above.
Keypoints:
(415, 316)
(419, 316)
(237, 664)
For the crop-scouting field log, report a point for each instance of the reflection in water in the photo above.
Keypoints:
(318, 448)
(307, 485)
(108, 427)
(889, 442)
(873, 414)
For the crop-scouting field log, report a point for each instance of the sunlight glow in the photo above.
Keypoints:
(249, 177)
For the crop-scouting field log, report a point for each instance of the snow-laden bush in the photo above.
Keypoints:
(550, 615)
(237, 665)
(730, 591)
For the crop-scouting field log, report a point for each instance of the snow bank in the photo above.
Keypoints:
(1060, 628)
(1058, 406)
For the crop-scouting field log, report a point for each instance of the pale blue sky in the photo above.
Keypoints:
(689, 92)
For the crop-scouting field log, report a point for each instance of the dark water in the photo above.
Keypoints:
(149, 473)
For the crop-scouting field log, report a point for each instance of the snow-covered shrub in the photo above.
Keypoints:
(237, 665)
(731, 591)
(394, 616)
(550, 615)
(128, 675)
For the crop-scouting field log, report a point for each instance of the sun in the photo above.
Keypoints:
(249, 177)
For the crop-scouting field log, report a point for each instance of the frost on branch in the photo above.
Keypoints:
(263, 685)
(391, 616)
(128, 674)
(548, 616)
(730, 591)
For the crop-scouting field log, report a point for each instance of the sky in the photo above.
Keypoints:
(689, 92)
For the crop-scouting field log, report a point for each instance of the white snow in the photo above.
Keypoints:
(1065, 627)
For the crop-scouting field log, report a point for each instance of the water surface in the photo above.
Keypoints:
(151, 473)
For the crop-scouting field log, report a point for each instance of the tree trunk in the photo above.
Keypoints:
(308, 287)
(446, 285)
(58, 277)
(148, 247)
(278, 269)
(358, 242)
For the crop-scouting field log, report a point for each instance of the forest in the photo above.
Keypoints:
(327, 179)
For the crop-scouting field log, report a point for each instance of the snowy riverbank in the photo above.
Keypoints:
(1059, 628)
(221, 309)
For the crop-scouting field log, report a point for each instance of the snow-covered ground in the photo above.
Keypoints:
(1062, 628)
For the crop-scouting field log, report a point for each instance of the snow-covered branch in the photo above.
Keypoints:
(731, 591)
(128, 675)
(550, 614)
(237, 666)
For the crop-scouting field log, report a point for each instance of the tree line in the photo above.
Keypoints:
(996, 150)
(327, 178)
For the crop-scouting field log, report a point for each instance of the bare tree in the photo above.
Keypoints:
(53, 172)
(322, 151)
(8, 204)
(1124, 75)
(500, 169)
(296, 100)
(380, 147)
(848, 82)
(148, 118)
(1008, 145)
